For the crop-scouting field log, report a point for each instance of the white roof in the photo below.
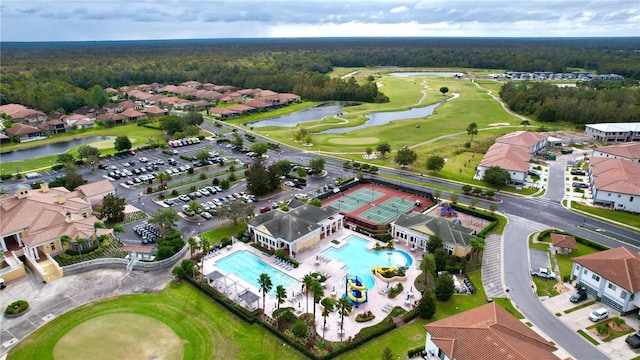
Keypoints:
(612, 127)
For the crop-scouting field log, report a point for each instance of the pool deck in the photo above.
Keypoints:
(377, 303)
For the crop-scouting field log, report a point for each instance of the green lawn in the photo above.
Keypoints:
(618, 216)
(228, 230)
(208, 330)
(613, 334)
(544, 287)
(565, 262)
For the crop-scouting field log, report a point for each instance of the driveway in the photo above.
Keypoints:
(579, 320)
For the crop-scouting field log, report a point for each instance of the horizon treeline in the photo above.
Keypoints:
(59, 76)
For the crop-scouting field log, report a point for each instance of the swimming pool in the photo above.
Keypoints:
(248, 267)
(360, 260)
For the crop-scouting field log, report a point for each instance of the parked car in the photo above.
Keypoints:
(289, 183)
(184, 198)
(578, 296)
(599, 314)
(205, 215)
(578, 172)
(543, 273)
(567, 151)
(633, 340)
(265, 209)
(186, 209)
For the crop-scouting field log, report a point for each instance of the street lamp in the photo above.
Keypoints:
(143, 207)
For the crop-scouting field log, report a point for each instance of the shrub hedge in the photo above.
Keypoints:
(16, 307)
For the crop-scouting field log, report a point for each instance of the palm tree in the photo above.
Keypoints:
(192, 245)
(97, 225)
(281, 295)
(307, 280)
(205, 245)
(318, 293)
(65, 240)
(344, 308)
(80, 242)
(328, 305)
(118, 228)
(265, 286)
(472, 129)
(478, 245)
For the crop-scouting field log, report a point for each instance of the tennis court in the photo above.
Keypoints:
(375, 205)
(385, 212)
(354, 200)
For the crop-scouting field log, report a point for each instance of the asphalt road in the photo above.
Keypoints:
(526, 215)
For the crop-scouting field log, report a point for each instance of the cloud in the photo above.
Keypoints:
(33, 20)
(399, 9)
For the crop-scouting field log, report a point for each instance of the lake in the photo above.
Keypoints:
(50, 149)
(381, 118)
(306, 115)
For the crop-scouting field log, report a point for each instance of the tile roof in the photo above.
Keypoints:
(240, 108)
(258, 104)
(619, 265)
(222, 111)
(131, 113)
(21, 129)
(615, 175)
(96, 188)
(507, 157)
(522, 138)
(153, 110)
(41, 216)
(563, 241)
(111, 116)
(630, 150)
(488, 332)
(429, 225)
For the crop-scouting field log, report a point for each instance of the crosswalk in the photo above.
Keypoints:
(529, 224)
(492, 267)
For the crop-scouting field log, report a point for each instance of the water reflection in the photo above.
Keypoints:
(49, 149)
(306, 115)
(425, 73)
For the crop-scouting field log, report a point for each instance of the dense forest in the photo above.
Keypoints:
(51, 76)
(576, 105)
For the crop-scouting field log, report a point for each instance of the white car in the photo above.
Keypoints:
(289, 183)
(301, 196)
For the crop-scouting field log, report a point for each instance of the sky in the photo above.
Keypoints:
(94, 20)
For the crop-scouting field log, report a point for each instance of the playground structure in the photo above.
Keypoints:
(356, 292)
(448, 210)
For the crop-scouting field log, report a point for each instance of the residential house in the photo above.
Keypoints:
(33, 222)
(154, 111)
(86, 111)
(4, 139)
(113, 108)
(52, 126)
(416, 229)
(288, 98)
(513, 152)
(514, 159)
(613, 132)
(295, 230)
(25, 132)
(223, 113)
(269, 96)
(615, 183)
(628, 151)
(73, 119)
(485, 332)
(22, 114)
(174, 103)
(532, 141)
(84, 124)
(192, 83)
(259, 104)
(613, 276)
(118, 119)
(241, 108)
(133, 115)
(199, 105)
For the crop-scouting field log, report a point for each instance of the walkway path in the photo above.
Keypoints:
(492, 267)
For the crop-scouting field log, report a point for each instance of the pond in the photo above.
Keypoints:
(381, 118)
(306, 115)
(49, 149)
(425, 73)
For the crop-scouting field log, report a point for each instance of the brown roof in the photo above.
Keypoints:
(41, 217)
(615, 175)
(111, 116)
(630, 150)
(240, 108)
(488, 332)
(521, 138)
(131, 113)
(507, 157)
(221, 111)
(21, 129)
(96, 188)
(620, 265)
(154, 110)
(258, 104)
(563, 241)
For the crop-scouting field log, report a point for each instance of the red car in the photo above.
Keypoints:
(265, 209)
